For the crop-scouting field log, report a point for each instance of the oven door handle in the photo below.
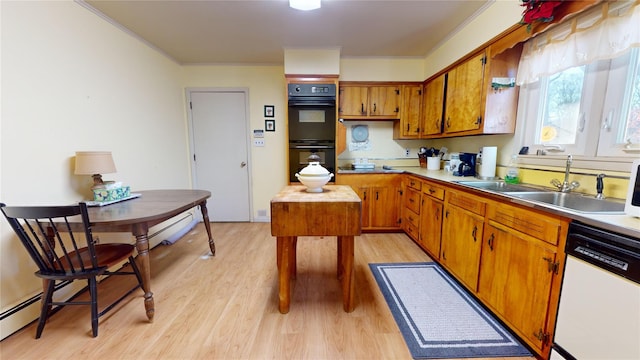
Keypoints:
(318, 103)
(311, 147)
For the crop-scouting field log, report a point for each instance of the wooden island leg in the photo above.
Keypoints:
(286, 248)
(346, 247)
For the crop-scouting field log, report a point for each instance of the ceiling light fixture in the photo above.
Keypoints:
(305, 4)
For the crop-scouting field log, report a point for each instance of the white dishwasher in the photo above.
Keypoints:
(599, 310)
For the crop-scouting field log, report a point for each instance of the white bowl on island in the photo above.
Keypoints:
(314, 176)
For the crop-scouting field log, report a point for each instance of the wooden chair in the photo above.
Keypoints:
(64, 253)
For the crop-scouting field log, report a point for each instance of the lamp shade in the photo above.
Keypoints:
(94, 162)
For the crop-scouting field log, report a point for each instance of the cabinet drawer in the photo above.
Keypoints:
(412, 231)
(466, 201)
(414, 183)
(433, 190)
(534, 224)
(412, 200)
(412, 218)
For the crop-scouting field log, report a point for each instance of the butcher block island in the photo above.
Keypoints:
(336, 211)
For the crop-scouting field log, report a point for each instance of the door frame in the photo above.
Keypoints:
(194, 184)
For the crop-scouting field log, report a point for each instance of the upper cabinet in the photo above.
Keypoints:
(463, 99)
(369, 102)
(408, 127)
(476, 96)
(433, 109)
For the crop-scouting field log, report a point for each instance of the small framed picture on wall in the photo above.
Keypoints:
(270, 125)
(269, 111)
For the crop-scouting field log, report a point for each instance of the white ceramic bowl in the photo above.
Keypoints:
(314, 183)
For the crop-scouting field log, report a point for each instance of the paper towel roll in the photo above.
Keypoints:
(488, 168)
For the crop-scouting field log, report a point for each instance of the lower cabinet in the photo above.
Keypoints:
(461, 242)
(520, 273)
(431, 218)
(510, 257)
(380, 195)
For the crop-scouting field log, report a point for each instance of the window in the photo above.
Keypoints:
(580, 86)
(591, 110)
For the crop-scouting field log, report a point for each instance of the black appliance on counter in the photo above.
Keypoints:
(312, 125)
(467, 166)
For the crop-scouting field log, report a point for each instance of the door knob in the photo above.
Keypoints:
(243, 164)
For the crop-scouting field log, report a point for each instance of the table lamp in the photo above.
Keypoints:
(94, 163)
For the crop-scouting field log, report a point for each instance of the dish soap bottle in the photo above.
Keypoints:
(513, 173)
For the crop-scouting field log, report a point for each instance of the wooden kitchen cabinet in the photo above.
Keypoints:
(411, 207)
(462, 229)
(463, 103)
(431, 218)
(473, 102)
(408, 127)
(433, 109)
(380, 195)
(521, 270)
(369, 102)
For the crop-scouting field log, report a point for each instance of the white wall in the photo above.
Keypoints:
(71, 81)
(266, 86)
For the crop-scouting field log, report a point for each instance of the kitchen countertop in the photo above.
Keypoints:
(620, 223)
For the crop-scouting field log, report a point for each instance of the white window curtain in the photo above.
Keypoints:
(604, 32)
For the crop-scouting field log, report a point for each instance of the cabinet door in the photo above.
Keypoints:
(384, 101)
(515, 280)
(464, 96)
(353, 101)
(411, 110)
(431, 225)
(461, 244)
(433, 106)
(364, 194)
(384, 207)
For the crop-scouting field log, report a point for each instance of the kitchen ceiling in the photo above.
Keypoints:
(256, 32)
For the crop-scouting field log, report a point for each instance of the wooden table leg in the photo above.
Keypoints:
(345, 243)
(285, 246)
(142, 246)
(207, 225)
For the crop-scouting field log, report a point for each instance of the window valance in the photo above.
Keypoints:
(604, 32)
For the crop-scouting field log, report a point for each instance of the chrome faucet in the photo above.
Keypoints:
(566, 186)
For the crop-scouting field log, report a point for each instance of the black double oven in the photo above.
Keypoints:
(312, 126)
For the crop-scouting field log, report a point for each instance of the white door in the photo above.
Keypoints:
(219, 151)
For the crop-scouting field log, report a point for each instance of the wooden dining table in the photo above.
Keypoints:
(336, 211)
(139, 214)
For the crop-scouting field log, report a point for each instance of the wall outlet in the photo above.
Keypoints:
(406, 152)
(258, 142)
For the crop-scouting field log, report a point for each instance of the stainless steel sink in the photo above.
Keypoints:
(576, 202)
(497, 185)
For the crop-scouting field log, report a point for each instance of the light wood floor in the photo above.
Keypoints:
(225, 307)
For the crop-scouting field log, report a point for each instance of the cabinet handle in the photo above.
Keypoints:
(490, 241)
(362, 108)
(407, 127)
(365, 196)
(374, 107)
(448, 122)
(446, 214)
(376, 195)
(473, 233)
(431, 190)
(410, 200)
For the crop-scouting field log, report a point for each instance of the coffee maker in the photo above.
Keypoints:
(467, 166)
